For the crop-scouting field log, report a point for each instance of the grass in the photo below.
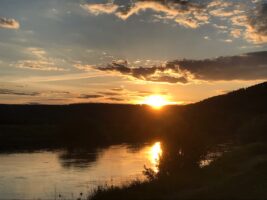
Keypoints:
(238, 174)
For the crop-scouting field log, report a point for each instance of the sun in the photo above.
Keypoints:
(156, 101)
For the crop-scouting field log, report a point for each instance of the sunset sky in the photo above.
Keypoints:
(121, 51)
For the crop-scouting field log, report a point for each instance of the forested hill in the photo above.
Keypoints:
(253, 99)
(242, 112)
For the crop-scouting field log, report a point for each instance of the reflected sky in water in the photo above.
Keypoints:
(42, 174)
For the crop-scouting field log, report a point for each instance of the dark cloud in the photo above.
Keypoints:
(58, 92)
(107, 95)
(34, 103)
(8, 23)
(167, 74)
(115, 99)
(90, 96)
(13, 92)
(55, 99)
(250, 66)
(48, 93)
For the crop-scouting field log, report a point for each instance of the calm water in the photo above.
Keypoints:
(48, 173)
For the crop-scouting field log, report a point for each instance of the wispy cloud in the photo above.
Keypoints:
(119, 89)
(41, 62)
(4, 91)
(109, 93)
(82, 67)
(115, 99)
(55, 78)
(43, 65)
(100, 8)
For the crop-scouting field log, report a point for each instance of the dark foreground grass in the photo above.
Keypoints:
(239, 174)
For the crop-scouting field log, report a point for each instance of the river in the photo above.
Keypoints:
(68, 173)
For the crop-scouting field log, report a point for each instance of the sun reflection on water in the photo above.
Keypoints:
(154, 155)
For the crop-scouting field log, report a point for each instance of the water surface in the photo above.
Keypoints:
(47, 174)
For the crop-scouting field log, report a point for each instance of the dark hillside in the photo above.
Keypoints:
(235, 114)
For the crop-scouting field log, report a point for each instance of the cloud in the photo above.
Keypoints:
(43, 93)
(162, 74)
(185, 13)
(236, 33)
(90, 96)
(250, 66)
(83, 67)
(119, 89)
(252, 24)
(9, 23)
(168, 79)
(220, 26)
(112, 96)
(109, 93)
(248, 18)
(4, 91)
(223, 8)
(115, 99)
(247, 21)
(97, 9)
(43, 65)
(41, 62)
(257, 25)
(40, 53)
(227, 40)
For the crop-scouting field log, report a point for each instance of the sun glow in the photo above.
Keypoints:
(156, 101)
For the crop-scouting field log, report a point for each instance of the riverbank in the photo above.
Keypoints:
(238, 174)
